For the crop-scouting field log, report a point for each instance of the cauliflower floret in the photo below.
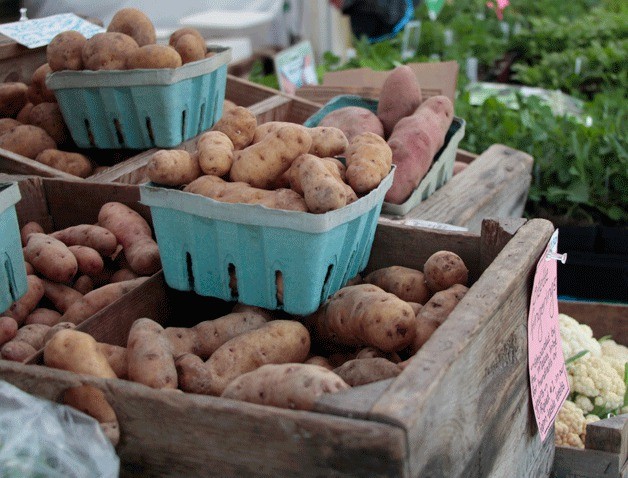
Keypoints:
(596, 379)
(570, 426)
(616, 354)
(576, 337)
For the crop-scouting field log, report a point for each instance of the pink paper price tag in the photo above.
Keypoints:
(548, 375)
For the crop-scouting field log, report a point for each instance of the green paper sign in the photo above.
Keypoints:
(434, 7)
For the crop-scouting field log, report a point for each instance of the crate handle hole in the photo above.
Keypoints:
(326, 283)
(200, 119)
(188, 263)
(183, 118)
(149, 129)
(90, 134)
(119, 134)
(233, 281)
(279, 287)
(9, 273)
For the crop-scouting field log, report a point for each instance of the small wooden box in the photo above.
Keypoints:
(461, 408)
(606, 443)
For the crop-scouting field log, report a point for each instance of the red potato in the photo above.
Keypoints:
(400, 96)
(17, 351)
(8, 329)
(60, 295)
(89, 260)
(135, 235)
(43, 315)
(353, 121)
(443, 269)
(50, 257)
(83, 284)
(361, 371)
(90, 235)
(29, 228)
(20, 309)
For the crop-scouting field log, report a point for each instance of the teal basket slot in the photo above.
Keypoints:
(207, 245)
(141, 109)
(13, 283)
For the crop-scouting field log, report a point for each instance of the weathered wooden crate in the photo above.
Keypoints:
(460, 409)
(606, 444)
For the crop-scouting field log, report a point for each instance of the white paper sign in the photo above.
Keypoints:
(39, 31)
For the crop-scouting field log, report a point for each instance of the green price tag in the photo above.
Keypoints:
(434, 7)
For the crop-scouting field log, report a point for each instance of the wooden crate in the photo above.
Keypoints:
(460, 409)
(606, 444)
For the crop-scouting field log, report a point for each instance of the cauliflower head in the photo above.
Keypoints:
(570, 425)
(594, 378)
(576, 337)
(616, 354)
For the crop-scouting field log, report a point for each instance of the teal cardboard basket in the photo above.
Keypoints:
(13, 284)
(440, 172)
(142, 108)
(202, 242)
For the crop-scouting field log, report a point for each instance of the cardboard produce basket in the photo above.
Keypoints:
(605, 452)
(461, 408)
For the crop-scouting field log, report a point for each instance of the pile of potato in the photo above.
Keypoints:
(365, 332)
(278, 164)
(74, 272)
(414, 128)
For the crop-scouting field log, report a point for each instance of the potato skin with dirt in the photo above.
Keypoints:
(444, 269)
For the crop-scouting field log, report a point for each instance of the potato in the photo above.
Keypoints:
(293, 385)
(24, 113)
(261, 164)
(134, 23)
(98, 299)
(368, 158)
(17, 351)
(20, 308)
(134, 234)
(239, 124)
(425, 327)
(406, 283)
(319, 360)
(362, 315)
(48, 116)
(76, 164)
(174, 36)
(154, 56)
(50, 257)
(7, 124)
(8, 329)
(56, 328)
(28, 228)
(444, 269)
(78, 352)
(149, 358)
(173, 167)
(361, 371)
(270, 127)
(442, 303)
(353, 120)
(108, 51)
(215, 153)
(43, 315)
(38, 91)
(204, 338)
(91, 235)
(84, 284)
(12, 98)
(116, 358)
(459, 166)
(241, 192)
(64, 51)
(27, 140)
(278, 341)
(89, 260)
(327, 141)
(370, 352)
(399, 97)
(190, 48)
(32, 334)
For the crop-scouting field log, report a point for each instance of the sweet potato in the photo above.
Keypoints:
(406, 283)
(149, 358)
(278, 341)
(369, 159)
(399, 97)
(353, 121)
(173, 167)
(292, 385)
(204, 338)
(444, 269)
(20, 309)
(134, 233)
(50, 257)
(97, 299)
(261, 164)
(361, 371)
(95, 236)
(78, 352)
(8, 329)
(215, 153)
(238, 124)
(362, 315)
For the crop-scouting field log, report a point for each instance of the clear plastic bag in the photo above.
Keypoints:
(40, 438)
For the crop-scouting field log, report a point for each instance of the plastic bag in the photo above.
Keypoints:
(40, 438)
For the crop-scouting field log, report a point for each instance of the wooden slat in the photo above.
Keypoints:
(610, 434)
(17, 62)
(604, 318)
(11, 163)
(578, 463)
(495, 184)
(465, 156)
(462, 355)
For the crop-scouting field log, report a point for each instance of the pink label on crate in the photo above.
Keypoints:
(548, 375)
